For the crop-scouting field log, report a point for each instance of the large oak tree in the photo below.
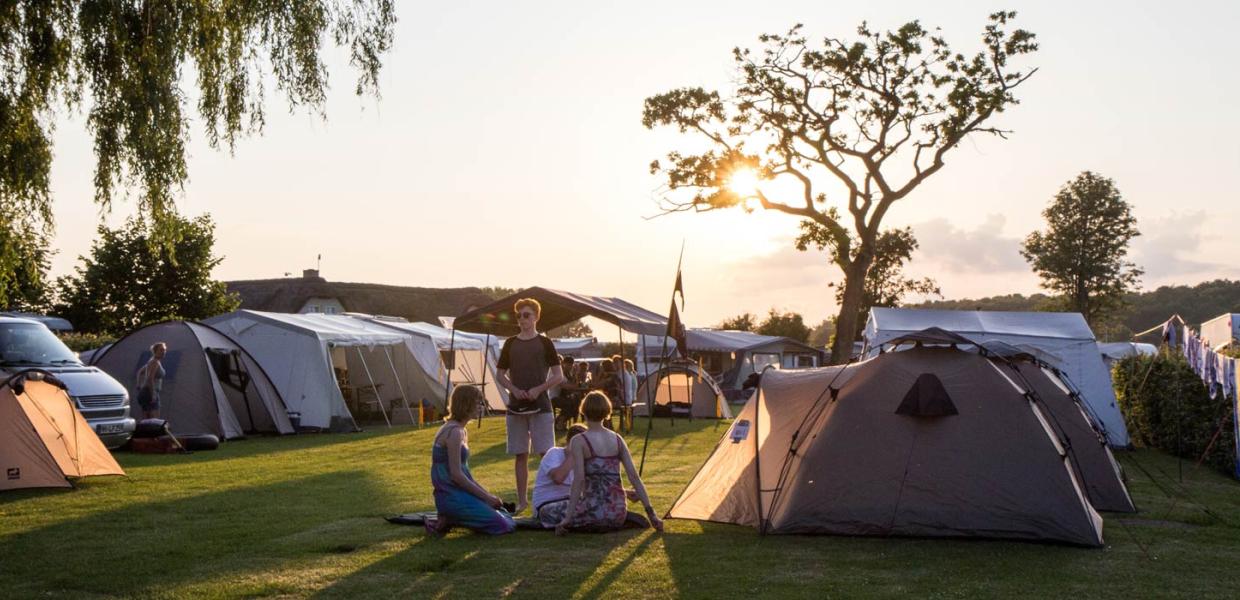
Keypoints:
(872, 117)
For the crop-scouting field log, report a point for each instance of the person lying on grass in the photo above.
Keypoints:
(554, 482)
(460, 501)
(597, 499)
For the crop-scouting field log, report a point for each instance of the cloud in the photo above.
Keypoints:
(1172, 247)
(948, 248)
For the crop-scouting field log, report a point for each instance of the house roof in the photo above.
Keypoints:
(288, 295)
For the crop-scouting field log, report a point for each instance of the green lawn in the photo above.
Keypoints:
(302, 516)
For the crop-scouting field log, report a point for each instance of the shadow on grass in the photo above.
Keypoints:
(159, 544)
(259, 446)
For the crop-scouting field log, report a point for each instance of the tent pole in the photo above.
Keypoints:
(486, 406)
(447, 388)
(650, 403)
(373, 387)
(625, 401)
(399, 385)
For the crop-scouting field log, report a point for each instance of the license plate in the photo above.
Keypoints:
(113, 428)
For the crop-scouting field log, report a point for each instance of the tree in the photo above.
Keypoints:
(790, 325)
(820, 335)
(1081, 254)
(130, 281)
(742, 322)
(876, 117)
(130, 58)
(576, 329)
(24, 285)
(885, 283)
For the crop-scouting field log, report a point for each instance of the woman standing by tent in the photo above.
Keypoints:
(150, 380)
(597, 499)
(459, 499)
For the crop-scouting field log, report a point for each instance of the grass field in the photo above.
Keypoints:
(302, 516)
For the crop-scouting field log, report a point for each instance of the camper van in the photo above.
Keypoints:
(26, 344)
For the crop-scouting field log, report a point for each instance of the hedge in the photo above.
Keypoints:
(1166, 406)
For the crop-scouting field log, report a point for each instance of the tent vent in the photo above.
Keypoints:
(927, 398)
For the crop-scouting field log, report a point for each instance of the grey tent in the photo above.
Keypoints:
(211, 385)
(929, 441)
(683, 389)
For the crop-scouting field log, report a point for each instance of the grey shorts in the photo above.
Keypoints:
(526, 433)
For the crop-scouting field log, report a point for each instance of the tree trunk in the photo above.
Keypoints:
(847, 321)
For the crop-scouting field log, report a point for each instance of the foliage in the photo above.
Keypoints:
(874, 117)
(820, 335)
(743, 322)
(790, 325)
(885, 283)
(130, 281)
(78, 341)
(576, 329)
(130, 60)
(1166, 406)
(1081, 254)
(1142, 310)
(607, 349)
(24, 285)
(497, 292)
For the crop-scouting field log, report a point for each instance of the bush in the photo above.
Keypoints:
(1166, 406)
(78, 341)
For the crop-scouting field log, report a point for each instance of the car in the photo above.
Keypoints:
(103, 401)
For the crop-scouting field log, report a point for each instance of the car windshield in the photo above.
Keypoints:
(32, 344)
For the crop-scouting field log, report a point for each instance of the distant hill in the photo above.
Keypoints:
(1195, 304)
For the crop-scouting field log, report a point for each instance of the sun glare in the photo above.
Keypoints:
(744, 182)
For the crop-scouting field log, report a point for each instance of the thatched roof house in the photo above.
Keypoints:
(312, 293)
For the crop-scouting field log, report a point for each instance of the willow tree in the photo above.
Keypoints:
(134, 67)
(853, 126)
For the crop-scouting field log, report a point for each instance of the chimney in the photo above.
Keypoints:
(311, 274)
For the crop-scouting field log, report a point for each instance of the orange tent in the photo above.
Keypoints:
(44, 440)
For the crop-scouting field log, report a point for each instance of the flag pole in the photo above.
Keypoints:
(678, 287)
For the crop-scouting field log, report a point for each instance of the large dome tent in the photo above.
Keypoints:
(211, 385)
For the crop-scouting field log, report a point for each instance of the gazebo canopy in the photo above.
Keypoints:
(561, 308)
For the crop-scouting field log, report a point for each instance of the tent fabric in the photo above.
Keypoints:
(561, 308)
(684, 385)
(211, 385)
(44, 439)
(428, 342)
(301, 354)
(1114, 351)
(1063, 338)
(824, 451)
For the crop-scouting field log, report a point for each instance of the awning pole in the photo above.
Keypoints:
(626, 403)
(373, 387)
(650, 403)
(447, 388)
(403, 397)
(486, 405)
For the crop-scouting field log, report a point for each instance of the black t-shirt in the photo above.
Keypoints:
(527, 362)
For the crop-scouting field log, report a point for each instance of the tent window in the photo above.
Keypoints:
(927, 398)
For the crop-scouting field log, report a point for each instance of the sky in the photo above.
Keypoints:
(507, 149)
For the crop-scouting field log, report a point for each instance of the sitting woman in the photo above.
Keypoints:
(459, 500)
(597, 499)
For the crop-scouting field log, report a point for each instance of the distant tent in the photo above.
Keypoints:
(211, 385)
(1062, 339)
(683, 389)
(313, 358)
(845, 450)
(431, 344)
(43, 438)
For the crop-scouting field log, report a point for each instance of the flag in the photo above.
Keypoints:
(676, 327)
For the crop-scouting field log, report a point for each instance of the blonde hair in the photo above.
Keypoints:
(158, 345)
(530, 302)
(596, 406)
(464, 403)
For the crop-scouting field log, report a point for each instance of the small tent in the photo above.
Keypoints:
(682, 388)
(930, 441)
(470, 365)
(211, 384)
(43, 438)
(1063, 337)
(316, 360)
(732, 355)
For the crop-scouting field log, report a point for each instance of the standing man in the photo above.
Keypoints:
(528, 367)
